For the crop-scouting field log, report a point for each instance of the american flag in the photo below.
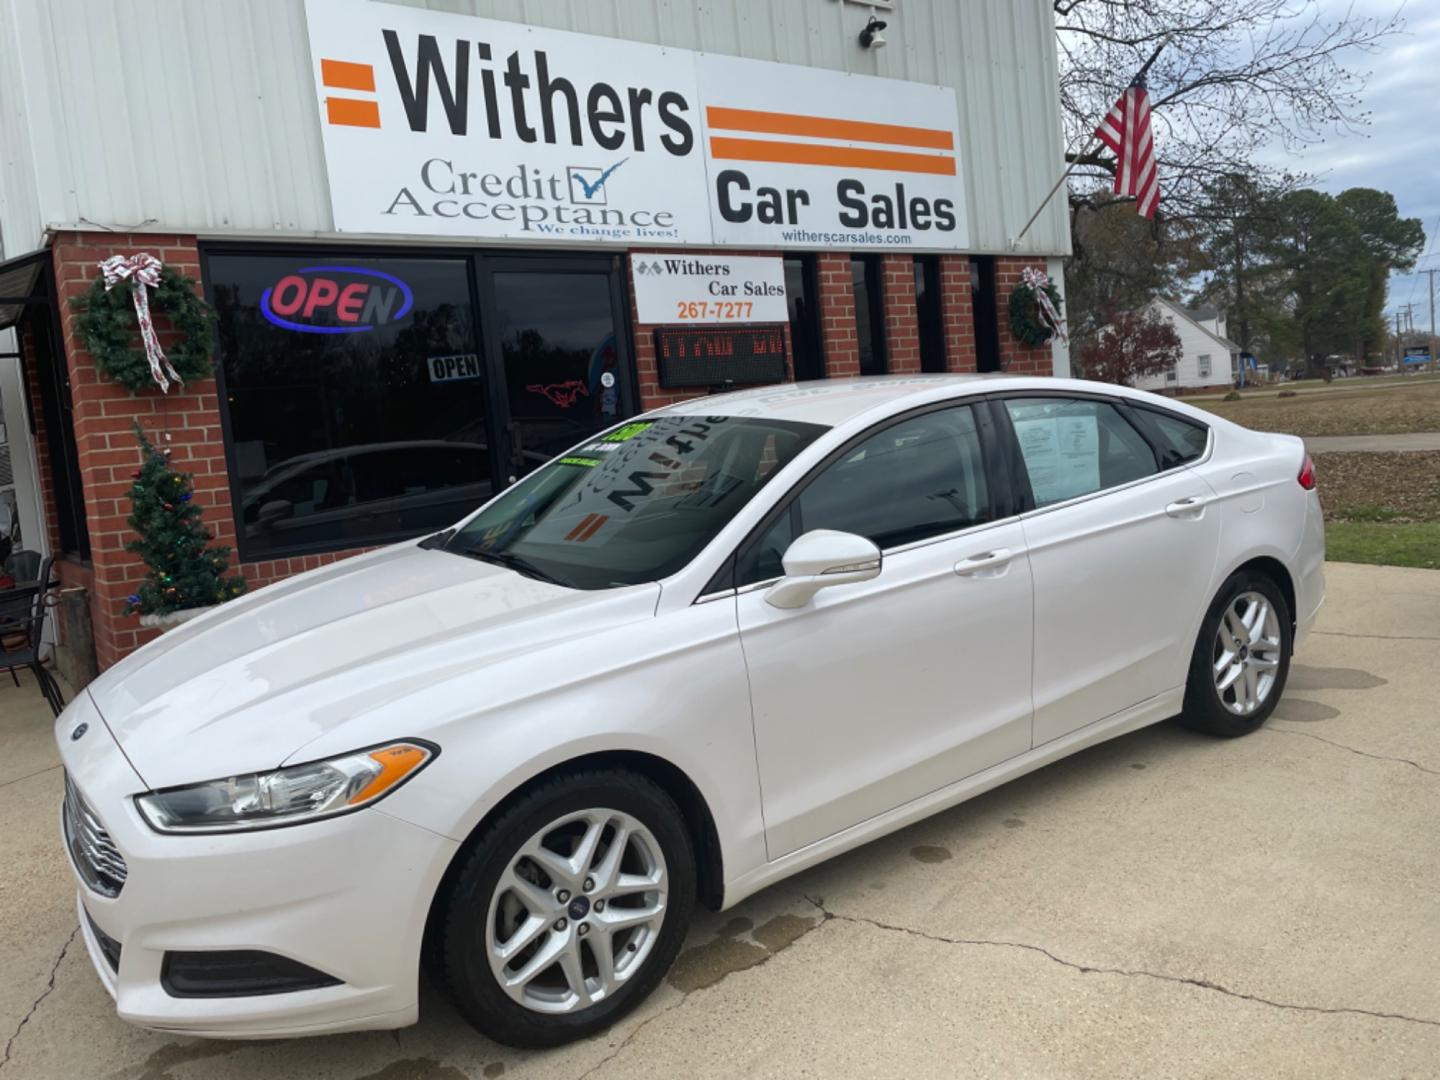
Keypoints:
(1126, 131)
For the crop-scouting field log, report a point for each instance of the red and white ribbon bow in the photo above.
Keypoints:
(144, 272)
(1039, 282)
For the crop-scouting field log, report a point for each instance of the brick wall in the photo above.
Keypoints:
(956, 314)
(902, 320)
(1017, 358)
(837, 315)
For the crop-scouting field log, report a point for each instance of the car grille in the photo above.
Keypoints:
(97, 860)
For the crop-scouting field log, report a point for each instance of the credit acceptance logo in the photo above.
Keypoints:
(336, 300)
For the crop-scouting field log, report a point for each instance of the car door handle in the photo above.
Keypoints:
(1189, 506)
(986, 560)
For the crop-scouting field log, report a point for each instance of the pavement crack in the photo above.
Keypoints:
(49, 986)
(634, 1032)
(27, 776)
(686, 995)
(1353, 750)
(1377, 637)
(1088, 969)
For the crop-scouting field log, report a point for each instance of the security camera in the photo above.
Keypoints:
(870, 37)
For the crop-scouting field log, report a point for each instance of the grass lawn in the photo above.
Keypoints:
(1368, 407)
(1381, 508)
(1385, 544)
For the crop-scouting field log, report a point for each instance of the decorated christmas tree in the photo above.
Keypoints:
(184, 570)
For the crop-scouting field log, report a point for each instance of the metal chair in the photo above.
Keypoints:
(22, 626)
(24, 565)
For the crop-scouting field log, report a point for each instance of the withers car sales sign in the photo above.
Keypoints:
(459, 126)
(681, 288)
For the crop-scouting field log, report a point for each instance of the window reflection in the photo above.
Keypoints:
(354, 416)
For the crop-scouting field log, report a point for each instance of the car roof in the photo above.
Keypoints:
(833, 402)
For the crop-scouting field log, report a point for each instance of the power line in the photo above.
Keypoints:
(1431, 237)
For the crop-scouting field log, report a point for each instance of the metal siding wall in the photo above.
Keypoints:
(20, 213)
(200, 114)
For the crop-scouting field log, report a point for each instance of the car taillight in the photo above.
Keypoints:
(1307, 474)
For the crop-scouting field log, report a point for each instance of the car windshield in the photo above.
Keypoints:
(635, 504)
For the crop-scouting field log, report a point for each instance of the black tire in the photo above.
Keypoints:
(1204, 710)
(461, 947)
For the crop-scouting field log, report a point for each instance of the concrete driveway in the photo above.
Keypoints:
(1162, 905)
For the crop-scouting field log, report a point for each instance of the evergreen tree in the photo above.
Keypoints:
(184, 572)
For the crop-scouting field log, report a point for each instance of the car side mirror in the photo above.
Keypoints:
(275, 510)
(819, 559)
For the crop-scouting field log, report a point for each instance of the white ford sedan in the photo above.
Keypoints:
(705, 650)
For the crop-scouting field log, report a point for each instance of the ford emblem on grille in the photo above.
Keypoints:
(80, 730)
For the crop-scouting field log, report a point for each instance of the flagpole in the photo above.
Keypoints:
(1015, 242)
(1089, 149)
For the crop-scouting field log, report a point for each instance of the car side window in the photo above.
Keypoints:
(1181, 441)
(1077, 446)
(919, 478)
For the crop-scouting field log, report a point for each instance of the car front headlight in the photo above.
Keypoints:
(287, 796)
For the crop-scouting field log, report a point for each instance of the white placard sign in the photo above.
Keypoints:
(675, 287)
(461, 126)
(1062, 456)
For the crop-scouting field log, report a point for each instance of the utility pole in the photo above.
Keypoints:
(1399, 349)
(1431, 272)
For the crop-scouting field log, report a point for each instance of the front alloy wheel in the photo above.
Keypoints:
(565, 911)
(578, 911)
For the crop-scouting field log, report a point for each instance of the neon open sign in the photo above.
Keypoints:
(336, 300)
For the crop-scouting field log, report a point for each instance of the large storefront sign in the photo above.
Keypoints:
(459, 126)
(677, 288)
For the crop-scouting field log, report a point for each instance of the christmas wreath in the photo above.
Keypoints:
(121, 298)
(1035, 309)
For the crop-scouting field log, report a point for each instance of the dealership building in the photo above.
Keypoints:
(443, 246)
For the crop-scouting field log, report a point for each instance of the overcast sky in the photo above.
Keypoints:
(1400, 151)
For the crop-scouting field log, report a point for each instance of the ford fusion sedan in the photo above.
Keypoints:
(699, 652)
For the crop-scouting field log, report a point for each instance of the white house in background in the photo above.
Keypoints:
(1207, 358)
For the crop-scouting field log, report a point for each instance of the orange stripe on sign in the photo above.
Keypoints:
(352, 113)
(787, 153)
(600, 519)
(574, 534)
(343, 75)
(827, 127)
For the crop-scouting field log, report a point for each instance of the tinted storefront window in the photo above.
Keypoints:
(865, 271)
(801, 294)
(355, 397)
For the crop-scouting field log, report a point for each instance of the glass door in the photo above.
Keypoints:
(558, 330)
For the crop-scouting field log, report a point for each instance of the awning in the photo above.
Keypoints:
(20, 285)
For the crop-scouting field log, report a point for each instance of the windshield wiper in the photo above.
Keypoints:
(436, 540)
(518, 564)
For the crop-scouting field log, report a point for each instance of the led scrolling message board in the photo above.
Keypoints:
(719, 356)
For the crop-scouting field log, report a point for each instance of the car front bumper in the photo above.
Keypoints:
(347, 896)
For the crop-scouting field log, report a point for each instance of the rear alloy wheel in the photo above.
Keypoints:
(566, 912)
(1245, 656)
(1241, 659)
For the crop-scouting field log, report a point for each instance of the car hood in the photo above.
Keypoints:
(244, 687)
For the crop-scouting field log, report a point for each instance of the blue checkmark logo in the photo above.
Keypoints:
(591, 189)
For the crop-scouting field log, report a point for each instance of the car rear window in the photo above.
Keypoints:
(1181, 440)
